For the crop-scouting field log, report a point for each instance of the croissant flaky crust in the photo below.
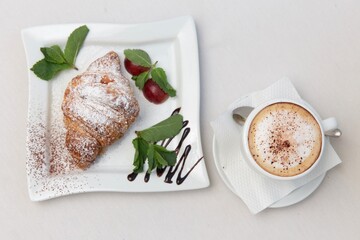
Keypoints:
(99, 106)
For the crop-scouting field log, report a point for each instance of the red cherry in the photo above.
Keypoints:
(134, 69)
(154, 93)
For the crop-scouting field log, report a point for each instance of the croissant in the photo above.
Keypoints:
(98, 106)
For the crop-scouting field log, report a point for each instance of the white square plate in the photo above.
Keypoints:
(174, 44)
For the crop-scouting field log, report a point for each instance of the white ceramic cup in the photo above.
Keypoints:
(326, 125)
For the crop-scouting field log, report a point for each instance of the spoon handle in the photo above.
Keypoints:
(334, 133)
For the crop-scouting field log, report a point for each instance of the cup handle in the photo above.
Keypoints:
(330, 127)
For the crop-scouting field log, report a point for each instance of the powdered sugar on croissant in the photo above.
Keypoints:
(99, 106)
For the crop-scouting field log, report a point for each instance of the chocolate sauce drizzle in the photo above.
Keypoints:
(131, 177)
(173, 169)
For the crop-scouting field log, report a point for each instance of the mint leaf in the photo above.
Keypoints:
(159, 157)
(53, 54)
(156, 155)
(47, 70)
(141, 150)
(164, 157)
(55, 60)
(167, 128)
(74, 43)
(138, 57)
(147, 149)
(150, 155)
(159, 76)
(141, 79)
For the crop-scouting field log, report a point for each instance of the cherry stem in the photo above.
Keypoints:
(154, 65)
(74, 67)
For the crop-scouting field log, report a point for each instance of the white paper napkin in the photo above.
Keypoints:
(258, 191)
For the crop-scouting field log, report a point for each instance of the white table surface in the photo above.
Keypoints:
(244, 46)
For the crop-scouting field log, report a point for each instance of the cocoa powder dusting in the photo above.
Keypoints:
(49, 166)
(60, 160)
(36, 151)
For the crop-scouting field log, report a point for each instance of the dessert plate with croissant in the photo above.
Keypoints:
(81, 124)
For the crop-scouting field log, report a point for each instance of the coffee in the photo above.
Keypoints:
(285, 139)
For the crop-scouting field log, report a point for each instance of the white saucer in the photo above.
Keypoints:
(296, 196)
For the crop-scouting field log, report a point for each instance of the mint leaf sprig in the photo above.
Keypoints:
(142, 58)
(147, 149)
(55, 60)
(138, 56)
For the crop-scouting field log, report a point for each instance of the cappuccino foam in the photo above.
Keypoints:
(285, 139)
